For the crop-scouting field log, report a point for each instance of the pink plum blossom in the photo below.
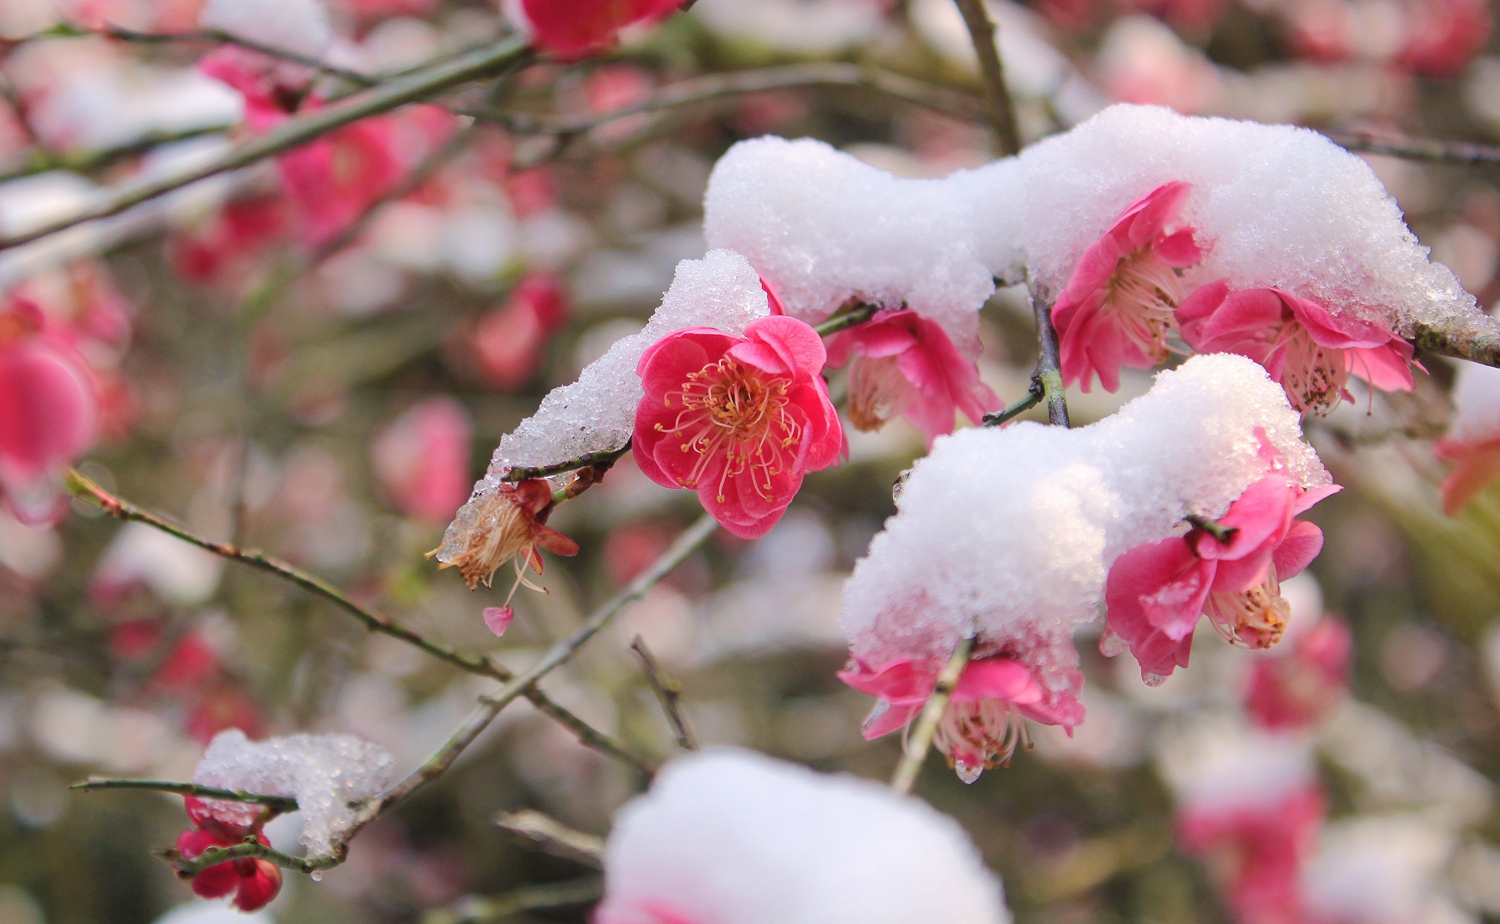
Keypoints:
(1305, 347)
(510, 526)
(573, 29)
(738, 419)
(510, 341)
(1298, 688)
(984, 722)
(1260, 851)
(1443, 36)
(1476, 464)
(252, 883)
(49, 411)
(1229, 570)
(904, 363)
(422, 459)
(1117, 308)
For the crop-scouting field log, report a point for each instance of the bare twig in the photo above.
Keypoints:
(1048, 363)
(490, 706)
(1428, 149)
(915, 751)
(668, 692)
(1476, 346)
(81, 487)
(251, 849)
(218, 37)
(551, 836)
(1035, 392)
(41, 161)
(604, 457)
(1002, 107)
(475, 909)
(437, 78)
(709, 87)
(278, 804)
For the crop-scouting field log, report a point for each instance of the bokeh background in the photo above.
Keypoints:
(330, 393)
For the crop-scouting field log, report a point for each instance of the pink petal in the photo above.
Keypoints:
(1384, 367)
(1302, 544)
(1003, 679)
(1195, 310)
(498, 618)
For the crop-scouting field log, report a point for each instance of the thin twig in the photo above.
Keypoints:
(551, 836)
(278, 804)
(490, 706)
(1477, 346)
(1428, 149)
(446, 75)
(1048, 363)
(81, 487)
(42, 161)
(982, 33)
(856, 315)
(953, 103)
(668, 692)
(1034, 395)
(218, 37)
(915, 750)
(474, 909)
(251, 849)
(1219, 531)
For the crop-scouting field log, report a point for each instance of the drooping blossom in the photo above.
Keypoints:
(573, 29)
(984, 722)
(1118, 306)
(49, 411)
(1472, 443)
(1308, 349)
(422, 459)
(738, 419)
(1229, 570)
(1296, 689)
(903, 363)
(732, 837)
(510, 341)
(251, 882)
(1260, 852)
(509, 526)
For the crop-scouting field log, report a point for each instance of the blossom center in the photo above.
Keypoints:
(1143, 293)
(1314, 374)
(741, 412)
(977, 736)
(1255, 619)
(877, 391)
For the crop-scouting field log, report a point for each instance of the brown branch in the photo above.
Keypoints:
(485, 62)
(474, 909)
(1476, 346)
(1427, 149)
(668, 692)
(1048, 364)
(551, 836)
(81, 487)
(982, 33)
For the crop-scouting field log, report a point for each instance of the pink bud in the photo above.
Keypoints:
(498, 618)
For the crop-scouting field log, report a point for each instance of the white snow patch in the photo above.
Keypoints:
(300, 26)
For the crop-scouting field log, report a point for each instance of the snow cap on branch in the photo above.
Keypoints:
(299, 26)
(1274, 206)
(823, 227)
(732, 837)
(324, 773)
(1010, 532)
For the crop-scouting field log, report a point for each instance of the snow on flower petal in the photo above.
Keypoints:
(738, 419)
(1118, 306)
(731, 837)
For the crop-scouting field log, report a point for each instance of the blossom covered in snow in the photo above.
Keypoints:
(573, 29)
(903, 363)
(1303, 345)
(1229, 569)
(738, 419)
(731, 837)
(1021, 560)
(49, 410)
(1119, 305)
(251, 882)
(1472, 444)
(509, 525)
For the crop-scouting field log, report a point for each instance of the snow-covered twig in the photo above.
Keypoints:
(278, 804)
(1002, 107)
(915, 750)
(81, 487)
(668, 692)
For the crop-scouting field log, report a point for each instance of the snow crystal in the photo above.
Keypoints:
(737, 838)
(823, 227)
(324, 773)
(1282, 206)
(1011, 531)
(1376, 870)
(1476, 401)
(1219, 766)
(299, 26)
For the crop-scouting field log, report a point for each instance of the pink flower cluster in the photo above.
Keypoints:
(252, 883)
(1127, 302)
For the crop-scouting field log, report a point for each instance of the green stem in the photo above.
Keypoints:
(920, 741)
(251, 850)
(855, 316)
(278, 804)
(1033, 397)
(1223, 534)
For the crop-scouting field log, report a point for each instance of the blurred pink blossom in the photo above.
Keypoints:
(573, 29)
(422, 459)
(1296, 689)
(510, 341)
(1261, 849)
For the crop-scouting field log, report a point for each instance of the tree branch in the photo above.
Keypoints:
(420, 84)
(1034, 395)
(551, 836)
(915, 750)
(474, 909)
(278, 804)
(982, 33)
(668, 692)
(1048, 364)
(251, 849)
(1476, 346)
(1427, 149)
(81, 487)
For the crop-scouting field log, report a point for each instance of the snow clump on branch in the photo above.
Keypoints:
(324, 773)
(732, 837)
